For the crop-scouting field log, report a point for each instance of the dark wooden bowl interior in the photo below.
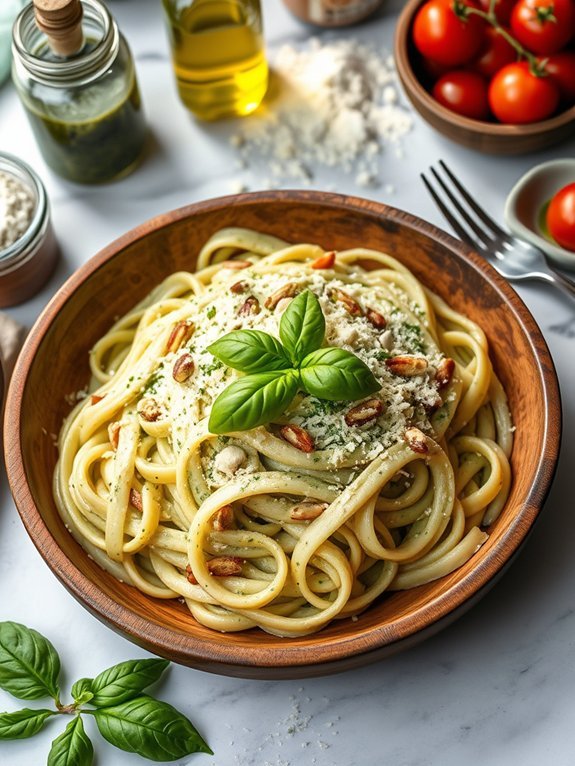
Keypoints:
(55, 363)
(488, 137)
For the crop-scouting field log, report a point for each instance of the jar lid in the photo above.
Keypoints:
(28, 41)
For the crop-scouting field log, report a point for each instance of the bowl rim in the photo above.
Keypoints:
(292, 660)
(415, 89)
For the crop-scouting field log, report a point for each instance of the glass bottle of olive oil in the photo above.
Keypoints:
(218, 55)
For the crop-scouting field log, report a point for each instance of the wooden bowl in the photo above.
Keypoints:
(54, 362)
(488, 137)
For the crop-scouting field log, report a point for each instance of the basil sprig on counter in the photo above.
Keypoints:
(277, 371)
(125, 716)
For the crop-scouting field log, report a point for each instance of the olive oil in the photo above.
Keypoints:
(218, 55)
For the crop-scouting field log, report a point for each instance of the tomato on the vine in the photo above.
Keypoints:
(503, 9)
(561, 69)
(494, 55)
(439, 34)
(463, 92)
(543, 26)
(517, 96)
(561, 217)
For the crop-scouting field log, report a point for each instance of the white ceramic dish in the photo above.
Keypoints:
(527, 200)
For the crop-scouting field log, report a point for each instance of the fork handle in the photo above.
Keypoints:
(565, 284)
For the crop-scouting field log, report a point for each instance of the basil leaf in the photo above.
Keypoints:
(337, 375)
(23, 723)
(151, 728)
(250, 351)
(125, 681)
(302, 326)
(252, 401)
(29, 664)
(82, 691)
(72, 748)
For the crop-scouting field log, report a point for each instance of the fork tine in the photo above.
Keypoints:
(478, 230)
(457, 227)
(479, 211)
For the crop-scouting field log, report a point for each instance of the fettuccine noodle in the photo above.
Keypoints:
(257, 528)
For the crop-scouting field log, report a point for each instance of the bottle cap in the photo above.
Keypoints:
(61, 22)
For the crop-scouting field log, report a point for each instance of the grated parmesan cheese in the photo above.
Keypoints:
(406, 401)
(338, 107)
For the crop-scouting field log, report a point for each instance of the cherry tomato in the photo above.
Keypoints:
(503, 9)
(494, 55)
(432, 70)
(516, 96)
(463, 92)
(440, 35)
(561, 217)
(543, 26)
(561, 69)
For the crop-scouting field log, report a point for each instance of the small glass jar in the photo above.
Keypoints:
(85, 110)
(27, 263)
(218, 55)
(333, 13)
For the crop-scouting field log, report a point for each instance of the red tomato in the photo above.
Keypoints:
(516, 96)
(495, 54)
(503, 9)
(561, 217)
(543, 26)
(561, 69)
(440, 35)
(432, 70)
(463, 92)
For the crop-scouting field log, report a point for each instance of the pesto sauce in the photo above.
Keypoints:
(97, 150)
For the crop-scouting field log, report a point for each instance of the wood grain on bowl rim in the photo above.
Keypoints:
(166, 628)
(489, 137)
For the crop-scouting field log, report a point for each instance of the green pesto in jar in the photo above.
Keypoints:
(94, 150)
(84, 109)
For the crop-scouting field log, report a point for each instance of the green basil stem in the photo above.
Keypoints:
(463, 11)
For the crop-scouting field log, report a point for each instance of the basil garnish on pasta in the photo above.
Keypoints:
(297, 363)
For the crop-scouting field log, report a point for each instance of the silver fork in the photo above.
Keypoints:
(513, 258)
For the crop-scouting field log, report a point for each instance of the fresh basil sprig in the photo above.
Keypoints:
(277, 371)
(127, 718)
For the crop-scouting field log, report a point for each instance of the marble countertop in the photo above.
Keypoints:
(497, 686)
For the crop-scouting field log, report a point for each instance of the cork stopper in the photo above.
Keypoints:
(61, 22)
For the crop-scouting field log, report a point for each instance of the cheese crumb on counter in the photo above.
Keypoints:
(338, 106)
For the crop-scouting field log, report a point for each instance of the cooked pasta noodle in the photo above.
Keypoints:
(256, 528)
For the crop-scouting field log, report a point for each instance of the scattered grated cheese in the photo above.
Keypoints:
(405, 400)
(338, 107)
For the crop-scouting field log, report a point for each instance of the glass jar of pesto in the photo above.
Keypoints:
(85, 109)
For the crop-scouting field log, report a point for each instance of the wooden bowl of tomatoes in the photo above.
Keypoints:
(494, 75)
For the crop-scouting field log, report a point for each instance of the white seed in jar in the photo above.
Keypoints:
(16, 209)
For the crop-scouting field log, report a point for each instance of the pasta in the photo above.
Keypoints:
(314, 515)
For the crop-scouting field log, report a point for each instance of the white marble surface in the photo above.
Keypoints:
(496, 687)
